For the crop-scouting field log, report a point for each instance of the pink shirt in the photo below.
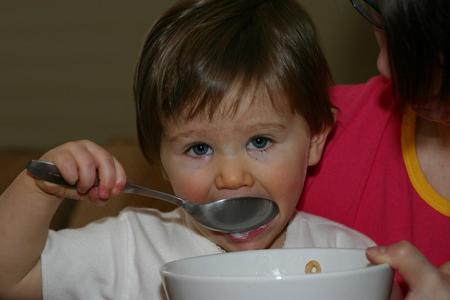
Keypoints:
(369, 178)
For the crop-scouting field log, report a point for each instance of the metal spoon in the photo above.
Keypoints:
(228, 215)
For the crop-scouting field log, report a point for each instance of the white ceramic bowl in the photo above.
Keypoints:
(277, 274)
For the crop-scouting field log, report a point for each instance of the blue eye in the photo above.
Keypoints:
(199, 150)
(259, 143)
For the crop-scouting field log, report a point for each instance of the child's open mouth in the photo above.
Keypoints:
(248, 235)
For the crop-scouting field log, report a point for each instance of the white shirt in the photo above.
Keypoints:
(120, 258)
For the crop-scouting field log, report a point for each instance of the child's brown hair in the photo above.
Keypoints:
(200, 50)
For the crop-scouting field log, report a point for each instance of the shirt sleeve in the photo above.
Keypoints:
(86, 263)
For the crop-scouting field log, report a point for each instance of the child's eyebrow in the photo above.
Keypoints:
(250, 128)
(186, 135)
(258, 127)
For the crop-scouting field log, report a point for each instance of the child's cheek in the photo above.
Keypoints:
(192, 193)
(191, 185)
(187, 176)
(286, 181)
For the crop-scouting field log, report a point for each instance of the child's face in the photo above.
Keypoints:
(256, 152)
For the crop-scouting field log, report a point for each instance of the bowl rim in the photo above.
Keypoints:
(369, 268)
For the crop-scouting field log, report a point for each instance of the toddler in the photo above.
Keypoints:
(232, 100)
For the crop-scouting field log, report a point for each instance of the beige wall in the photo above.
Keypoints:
(66, 67)
(347, 39)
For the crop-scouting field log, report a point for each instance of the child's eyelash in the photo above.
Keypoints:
(264, 143)
(198, 150)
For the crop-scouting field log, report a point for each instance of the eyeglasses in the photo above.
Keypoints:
(369, 9)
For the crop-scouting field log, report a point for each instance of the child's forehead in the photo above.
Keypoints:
(249, 99)
(237, 102)
(250, 115)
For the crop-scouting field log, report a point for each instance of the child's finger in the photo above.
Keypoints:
(74, 158)
(92, 162)
(93, 196)
(66, 164)
(106, 167)
(88, 166)
(87, 171)
(121, 178)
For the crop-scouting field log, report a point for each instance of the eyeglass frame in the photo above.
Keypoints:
(373, 4)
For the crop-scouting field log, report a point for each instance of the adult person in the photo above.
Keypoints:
(386, 171)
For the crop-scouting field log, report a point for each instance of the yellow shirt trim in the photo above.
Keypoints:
(415, 174)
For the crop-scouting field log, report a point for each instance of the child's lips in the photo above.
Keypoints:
(248, 235)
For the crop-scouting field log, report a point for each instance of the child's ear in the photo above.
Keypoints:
(316, 146)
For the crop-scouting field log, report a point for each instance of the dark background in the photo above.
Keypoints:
(66, 67)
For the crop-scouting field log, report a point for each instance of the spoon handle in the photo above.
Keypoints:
(132, 188)
(47, 171)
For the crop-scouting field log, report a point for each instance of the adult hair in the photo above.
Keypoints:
(418, 41)
(203, 50)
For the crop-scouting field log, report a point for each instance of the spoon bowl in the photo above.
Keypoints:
(229, 215)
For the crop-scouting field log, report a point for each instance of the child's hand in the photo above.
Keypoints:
(79, 163)
(424, 280)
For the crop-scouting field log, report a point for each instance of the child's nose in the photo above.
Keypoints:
(233, 174)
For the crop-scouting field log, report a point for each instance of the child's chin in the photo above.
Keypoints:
(243, 246)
